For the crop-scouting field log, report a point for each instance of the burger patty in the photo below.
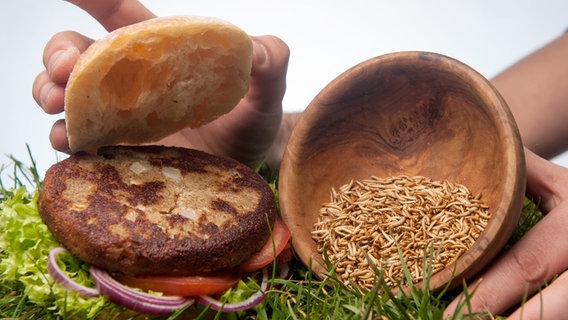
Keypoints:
(157, 210)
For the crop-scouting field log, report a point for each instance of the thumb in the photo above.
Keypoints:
(268, 75)
(254, 122)
(546, 182)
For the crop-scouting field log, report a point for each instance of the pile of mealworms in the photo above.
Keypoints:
(367, 222)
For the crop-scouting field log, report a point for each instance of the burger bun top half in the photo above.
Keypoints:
(145, 81)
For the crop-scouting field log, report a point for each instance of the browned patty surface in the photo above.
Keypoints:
(157, 210)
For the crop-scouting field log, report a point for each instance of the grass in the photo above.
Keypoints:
(300, 296)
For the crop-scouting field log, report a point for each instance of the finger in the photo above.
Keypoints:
(550, 304)
(540, 255)
(58, 137)
(48, 95)
(113, 14)
(61, 53)
(546, 181)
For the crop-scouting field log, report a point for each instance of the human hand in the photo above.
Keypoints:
(536, 259)
(246, 133)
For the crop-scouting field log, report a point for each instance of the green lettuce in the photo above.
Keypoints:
(25, 242)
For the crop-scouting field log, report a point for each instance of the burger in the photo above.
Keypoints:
(177, 221)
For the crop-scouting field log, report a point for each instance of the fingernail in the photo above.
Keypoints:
(260, 54)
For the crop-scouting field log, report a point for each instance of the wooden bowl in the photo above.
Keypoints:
(412, 113)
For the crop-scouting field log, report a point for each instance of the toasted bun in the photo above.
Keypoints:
(157, 210)
(145, 81)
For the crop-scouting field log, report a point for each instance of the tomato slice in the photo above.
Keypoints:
(191, 286)
(271, 249)
(185, 286)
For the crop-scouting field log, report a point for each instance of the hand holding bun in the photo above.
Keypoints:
(247, 133)
(145, 81)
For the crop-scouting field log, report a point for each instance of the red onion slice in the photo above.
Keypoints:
(248, 303)
(63, 279)
(147, 303)
(136, 300)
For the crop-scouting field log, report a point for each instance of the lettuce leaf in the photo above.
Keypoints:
(24, 245)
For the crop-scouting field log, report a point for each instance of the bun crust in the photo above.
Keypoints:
(145, 81)
(157, 210)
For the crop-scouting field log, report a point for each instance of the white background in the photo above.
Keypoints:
(325, 37)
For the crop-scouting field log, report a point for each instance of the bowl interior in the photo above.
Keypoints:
(411, 113)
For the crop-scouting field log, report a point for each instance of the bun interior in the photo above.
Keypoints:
(146, 81)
